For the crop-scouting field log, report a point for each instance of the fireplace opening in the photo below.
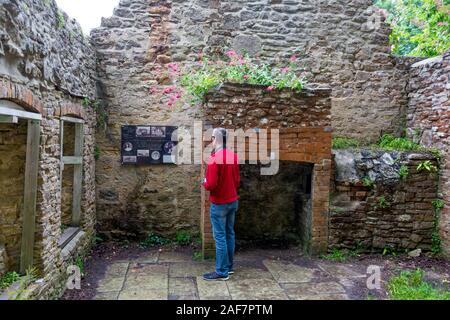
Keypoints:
(275, 211)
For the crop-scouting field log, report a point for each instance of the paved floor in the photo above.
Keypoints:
(258, 275)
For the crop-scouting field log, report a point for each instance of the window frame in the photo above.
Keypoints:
(77, 161)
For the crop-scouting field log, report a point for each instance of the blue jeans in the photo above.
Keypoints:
(222, 220)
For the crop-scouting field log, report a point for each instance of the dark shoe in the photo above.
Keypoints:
(213, 276)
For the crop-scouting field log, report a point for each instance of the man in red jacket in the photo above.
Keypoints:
(222, 180)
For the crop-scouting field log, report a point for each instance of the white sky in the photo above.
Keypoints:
(88, 13)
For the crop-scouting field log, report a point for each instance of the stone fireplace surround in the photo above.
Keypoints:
(303, 121)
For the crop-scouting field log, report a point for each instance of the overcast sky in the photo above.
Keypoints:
(88, 13)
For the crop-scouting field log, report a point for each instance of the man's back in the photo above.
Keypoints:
(223, 177)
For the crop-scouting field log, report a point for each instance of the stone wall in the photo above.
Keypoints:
(393, 213)
(3, 260)
(47, 66)
(341, 44)
(429, 122)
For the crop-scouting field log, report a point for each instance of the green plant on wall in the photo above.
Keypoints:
(344, 143)
(99, 111)
(368, 182)
(426, 165)
(389, 142)
(438, 205)
(389, 250)
(61, 20)
(403, 172)
(381, 203)
(194, 80)
(97, 152)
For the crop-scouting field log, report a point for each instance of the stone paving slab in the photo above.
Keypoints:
(143, 294)
(117, 269)
(172, 256)
(113, 295)
(110, 284)
(145, 268)
(149, 257)
(183, 289)
(288, 272)
(256, 289)
(148, 282)
(242, 273)
(313, 291)
(212, 290)
(341, 271)
(192, 269)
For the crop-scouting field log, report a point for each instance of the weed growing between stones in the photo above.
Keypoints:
(410, 285)
(61, 20)
(338, 255)
(403, 172)
(194, 81)
(345, 143)
(31, 275)
(183, 238)
(436, 248)
(154, 240)
(427, 166)
(8, 279)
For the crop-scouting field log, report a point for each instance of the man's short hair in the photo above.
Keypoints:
(221, 135)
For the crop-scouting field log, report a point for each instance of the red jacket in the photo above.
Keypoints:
(223, 177)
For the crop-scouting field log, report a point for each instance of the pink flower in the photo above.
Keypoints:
(231, 54)
(232, 63)
(269, 88)
(173, 67)
(293, 59)
(200, 56)
(285, 70)
(246, 76)
(242, 61)
(169, 90)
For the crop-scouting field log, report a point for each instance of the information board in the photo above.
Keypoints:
(146, 145)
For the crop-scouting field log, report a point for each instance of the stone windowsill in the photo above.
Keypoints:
(72, 245)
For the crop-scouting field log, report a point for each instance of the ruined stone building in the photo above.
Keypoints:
(65, 96)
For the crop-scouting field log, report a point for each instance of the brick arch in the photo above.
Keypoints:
(21, 96)
(73, 110)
